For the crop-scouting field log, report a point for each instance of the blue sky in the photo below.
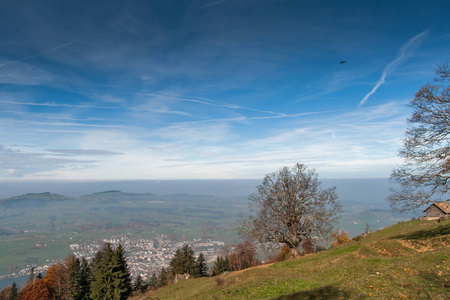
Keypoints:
(116, 90)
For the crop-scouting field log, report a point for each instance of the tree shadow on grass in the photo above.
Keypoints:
(324, 292)
(425, 234)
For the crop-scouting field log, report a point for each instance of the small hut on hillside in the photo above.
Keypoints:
(438, 210)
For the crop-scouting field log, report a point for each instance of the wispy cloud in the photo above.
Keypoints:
(209, 102)
(403, 54)
(17, 163)
(167, 111)
(71, 124)
(212, 3)
(39, 54)
(51, 104)
(76, 152)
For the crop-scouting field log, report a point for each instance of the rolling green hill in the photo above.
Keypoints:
(32, 200)
(409, 260)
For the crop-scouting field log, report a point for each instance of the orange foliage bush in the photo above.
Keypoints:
(282, 255)
(243, 256)
(339, 237)
(57, 280)
(308, 246)
(38, 290)
(5, 294)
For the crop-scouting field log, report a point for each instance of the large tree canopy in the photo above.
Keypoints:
(426, 147)
(290, 206)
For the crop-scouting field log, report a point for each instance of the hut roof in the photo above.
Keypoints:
(443, 205)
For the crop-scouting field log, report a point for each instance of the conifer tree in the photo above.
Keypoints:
(14, 292)
(31, 277)
(110, 275)
(153, 282)
(101, 287)
(245, 265)
(183, 262)
(121, 274)
(76, 286)
(176, 264)
(85, 278)
(139, 285)
(162, 278)
(202, 268)
(222, 264)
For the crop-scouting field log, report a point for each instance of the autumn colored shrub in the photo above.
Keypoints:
(282, 255)
(243, 256)
(339, 237)
(308, 246)
(38, 290)
(57, 280)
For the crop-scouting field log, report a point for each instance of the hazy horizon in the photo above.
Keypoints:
(363, 190)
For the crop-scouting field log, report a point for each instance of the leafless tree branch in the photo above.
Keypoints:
(289, 206)
(426, 147)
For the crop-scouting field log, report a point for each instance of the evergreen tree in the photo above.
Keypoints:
(153, 282)
(176, 264)
(202, 268)
(101, 279)
(76, 286)
(245, 265)
(121, 274)
(183, 262)
(139, 285)
(226, 265)
(85, 276)
(110, 275)
(14, 292)
(31, 277)
(222, 264)
(162, 278)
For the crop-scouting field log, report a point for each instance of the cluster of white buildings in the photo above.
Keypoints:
(144, 256)
(27, 271)
(147, 256)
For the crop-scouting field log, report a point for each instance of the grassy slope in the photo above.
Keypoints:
(407, 260)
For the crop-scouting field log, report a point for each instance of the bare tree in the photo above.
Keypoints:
(426, 148)
(290, 206)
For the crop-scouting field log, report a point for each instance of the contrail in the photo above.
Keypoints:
(213, 3)
(403, 54)
(40, 54)
(210, 102)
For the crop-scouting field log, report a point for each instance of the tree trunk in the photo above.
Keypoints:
(294, 252)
